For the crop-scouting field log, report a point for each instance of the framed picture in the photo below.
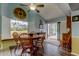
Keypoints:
(20, 13)
(75, 18)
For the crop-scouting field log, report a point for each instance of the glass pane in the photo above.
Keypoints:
(18, 26)
(52, 30)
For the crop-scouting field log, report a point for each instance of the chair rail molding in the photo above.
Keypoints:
(74, 54)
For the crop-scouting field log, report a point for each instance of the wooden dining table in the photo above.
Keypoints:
(33, 37)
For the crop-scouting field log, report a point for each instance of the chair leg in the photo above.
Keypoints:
(22, 51)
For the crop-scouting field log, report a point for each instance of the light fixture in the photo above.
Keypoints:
(41, 25)
(32, 7)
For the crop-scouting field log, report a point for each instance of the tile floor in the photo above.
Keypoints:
(50, 49)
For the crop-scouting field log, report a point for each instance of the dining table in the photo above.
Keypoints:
(34, 37)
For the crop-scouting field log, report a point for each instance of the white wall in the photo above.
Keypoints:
(75, 29)
(5, 33)
(75, 34)
(75, 25)
(63, 28)
(34, 21)
(0, 20)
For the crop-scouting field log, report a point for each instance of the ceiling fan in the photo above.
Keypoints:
(34, 6)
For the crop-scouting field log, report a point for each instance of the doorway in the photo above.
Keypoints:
(53, 33)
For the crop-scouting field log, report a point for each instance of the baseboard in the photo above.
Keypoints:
(75, 54)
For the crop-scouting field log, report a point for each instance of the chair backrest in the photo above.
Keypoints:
(42, 35)
(15, 36)
(25, 39)
(31, 34)
(66, 37)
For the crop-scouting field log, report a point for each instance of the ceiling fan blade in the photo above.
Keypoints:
(41, 5)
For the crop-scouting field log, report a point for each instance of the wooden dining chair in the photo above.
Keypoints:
(66, 41)
(26, 43)
(40, 43)
(16, 38)
(17, 49)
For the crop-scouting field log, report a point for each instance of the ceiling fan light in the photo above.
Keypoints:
(32, 7)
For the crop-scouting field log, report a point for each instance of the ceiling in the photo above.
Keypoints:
(55, 10)
(74, 6)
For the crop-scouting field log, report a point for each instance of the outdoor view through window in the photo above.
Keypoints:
(19, 26)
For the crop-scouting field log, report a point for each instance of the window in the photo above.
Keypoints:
(19, 26)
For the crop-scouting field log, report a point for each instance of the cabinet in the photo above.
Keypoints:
(66, 42)
(66, 37)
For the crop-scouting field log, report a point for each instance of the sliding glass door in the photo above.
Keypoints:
(52, 31)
